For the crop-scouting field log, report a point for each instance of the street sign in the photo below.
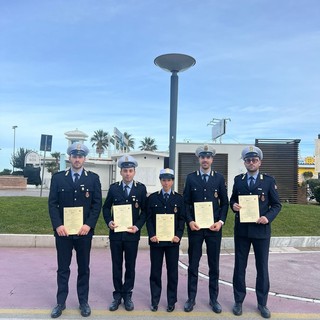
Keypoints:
(45, 143)
(218, 129)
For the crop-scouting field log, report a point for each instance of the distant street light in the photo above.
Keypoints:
(14, 143)
(174, 63)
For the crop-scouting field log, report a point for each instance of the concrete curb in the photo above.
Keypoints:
(47, 241)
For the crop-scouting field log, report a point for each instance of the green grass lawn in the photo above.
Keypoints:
(29, 215)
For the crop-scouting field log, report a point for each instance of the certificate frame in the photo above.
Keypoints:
(165, 227)
(203, 213)
(122, 217)
(73, 219)
(249, 211)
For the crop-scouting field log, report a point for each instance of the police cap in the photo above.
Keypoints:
(77, 149)
(127, 161)
(251, 151)
(205, 150)
(166, 174)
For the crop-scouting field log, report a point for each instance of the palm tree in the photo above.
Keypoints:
(148, 144)
(130, 140)
(53, 166)
(100, 140)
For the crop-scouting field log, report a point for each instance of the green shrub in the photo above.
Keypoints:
(317, 193)
(313, 183)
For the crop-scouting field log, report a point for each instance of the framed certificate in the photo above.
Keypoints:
(73, 219)
(203, 212)
(249, 211)
(122, 217)
(165, 227)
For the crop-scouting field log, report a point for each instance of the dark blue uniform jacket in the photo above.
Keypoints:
(137, 198)
(269, 205)
(214, 190)
(85, 193)
(157, 205)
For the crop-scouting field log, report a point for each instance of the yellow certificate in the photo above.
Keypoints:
(249, 211)
(165, 227)
(73, 219)
(203, 213)
(122, 217)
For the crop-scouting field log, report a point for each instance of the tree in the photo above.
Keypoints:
(17, 160)
(307, 175)
(100, 140)
(5, 172)
(148, 144)
(130, 141)
(53, 166)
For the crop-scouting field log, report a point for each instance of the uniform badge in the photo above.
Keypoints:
(136, 205)
(215, 194)
(87, 194)
(262, 197)
(175, 210)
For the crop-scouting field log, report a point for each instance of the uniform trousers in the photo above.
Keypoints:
(213, 244)
(127, 250)
(156, 256)
(64, 247)
(261, 252)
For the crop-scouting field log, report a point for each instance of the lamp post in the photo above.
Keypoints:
(14, 143)
(174, 63)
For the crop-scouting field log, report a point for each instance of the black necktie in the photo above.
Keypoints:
(126, 190)
(251, 183)
(166, 197)
(76, 177)
(204, 177)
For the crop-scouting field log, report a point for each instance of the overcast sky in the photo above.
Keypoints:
(90, 65)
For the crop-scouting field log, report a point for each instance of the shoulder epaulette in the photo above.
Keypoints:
(137, 183)
(266, 175)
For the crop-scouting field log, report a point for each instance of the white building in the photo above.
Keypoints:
(227, 161)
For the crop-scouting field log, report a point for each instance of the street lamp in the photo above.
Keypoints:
(14, 143)
(174, 63)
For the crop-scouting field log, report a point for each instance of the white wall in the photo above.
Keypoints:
(147, 172)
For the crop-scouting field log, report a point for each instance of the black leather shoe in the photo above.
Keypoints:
(128, 304)
(188, 306)
(85, 309)
(237, 309)
(154, 308)
(170, 308)
(115, 304)
(57, 310)
(215, 306)
(265, 312)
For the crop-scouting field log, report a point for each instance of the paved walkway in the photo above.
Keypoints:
(28, 286)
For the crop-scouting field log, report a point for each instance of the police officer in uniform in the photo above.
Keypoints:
(75, 187)
(256, 233)
(165, 201)
(127, 191)
(205, 185)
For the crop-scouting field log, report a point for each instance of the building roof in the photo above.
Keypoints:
(76, 134)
